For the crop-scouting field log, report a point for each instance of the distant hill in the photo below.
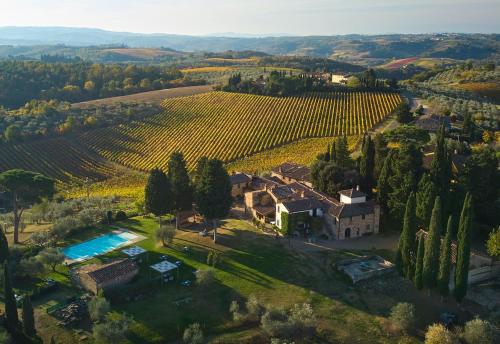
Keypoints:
(348, 47)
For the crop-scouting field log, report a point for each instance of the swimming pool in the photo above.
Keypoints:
(100, 245)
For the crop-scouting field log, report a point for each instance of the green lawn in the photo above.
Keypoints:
(252, 264)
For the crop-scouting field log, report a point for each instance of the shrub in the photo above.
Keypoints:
(113, 329)
(41, 239)
(205, 277)
(193, 334)
(478, 331)
(403, 316)
(234, 309)
(438, 334)
(302, 317)
(165, 235)
(65, 225)
(120, 215)
(98, 308)
(254, 307)
(275, 323)
(51, 257)
(29, 267)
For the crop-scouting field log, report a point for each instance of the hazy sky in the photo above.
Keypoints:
(301, 17)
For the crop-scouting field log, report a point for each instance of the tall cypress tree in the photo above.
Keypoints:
(28, 317)
(380, 153)
(383, 187)
(10, 301)
(327, 153)
(180, 183)
(431, 258)
(426, 194)
(440, 172)
(367, 165)
(463, 249)
(420, 262)
(157, 194)
(445, 259)
(333, 152)
(407, 239)
(4, 247)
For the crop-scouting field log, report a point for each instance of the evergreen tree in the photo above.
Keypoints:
(327, 154)
(440, 172)
(383, 187)
(463, 249)
(445, 259)
(28, 317)
(407, 239)
(431, 258)
(420, 262)
(468, 126)
(426, 194)
(213, 192)
(10, 301)
(333, 152)
(182, 192)
(381, 151)
(4, 247)
(158, 196)
(342, 158)
(367, 165)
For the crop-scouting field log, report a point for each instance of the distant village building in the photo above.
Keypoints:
(339, 79)
(95, 277)
(288, 196)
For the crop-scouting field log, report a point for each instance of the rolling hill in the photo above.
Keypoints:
(228, 126)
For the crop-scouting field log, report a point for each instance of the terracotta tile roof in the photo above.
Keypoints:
(352, 193)
(302, 204)
(432, 122)
(347, 210)
(110, 271)
(239, 178)
(293, 171)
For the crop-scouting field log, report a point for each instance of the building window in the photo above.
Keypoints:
(357, 232)
(367, 227)
(363, 217)
(350, 219)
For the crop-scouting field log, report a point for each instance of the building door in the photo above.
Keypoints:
(347, 233)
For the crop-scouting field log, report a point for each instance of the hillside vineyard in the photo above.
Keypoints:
(231, 126)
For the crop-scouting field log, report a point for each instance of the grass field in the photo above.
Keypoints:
(144, 53)
(149, 97)
(253, 264)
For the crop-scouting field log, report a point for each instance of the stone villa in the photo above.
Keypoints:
(288, 201)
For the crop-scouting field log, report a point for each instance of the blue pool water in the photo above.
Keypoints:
(98, 246)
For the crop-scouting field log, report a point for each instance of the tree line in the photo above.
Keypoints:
(175, 191)
(23, 81)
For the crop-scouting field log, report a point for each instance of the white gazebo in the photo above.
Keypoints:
(165, 268)
(134, 252)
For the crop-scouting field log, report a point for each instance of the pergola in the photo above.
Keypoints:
(134, 252)
(165, 268)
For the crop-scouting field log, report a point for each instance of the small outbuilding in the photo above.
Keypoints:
(95, 277)
(166, 270)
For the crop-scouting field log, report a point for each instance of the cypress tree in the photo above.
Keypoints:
(157, 194)
(367, 165)
(180, 183)
(333, 152)
(383, 187)
(431, 258)
(327, 154)
(440, 172)
(28, 317)
(4, 247)
(398, 260)
(407, 239)
(445, 259)
(420, 262)
(426, 194)
(380, 153)
(10, 301)
(463, 249)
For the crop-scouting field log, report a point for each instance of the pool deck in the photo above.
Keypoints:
(136, 239)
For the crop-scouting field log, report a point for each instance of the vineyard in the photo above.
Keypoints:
(232, 126)
(56, 158)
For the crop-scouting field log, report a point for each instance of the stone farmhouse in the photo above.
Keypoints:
(288, 201)
(95, 277)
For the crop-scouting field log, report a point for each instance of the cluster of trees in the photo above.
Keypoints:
(74, 82)
(40, 118)
(276, 84)
(21, 330)
(175, 191)
(334, 170)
